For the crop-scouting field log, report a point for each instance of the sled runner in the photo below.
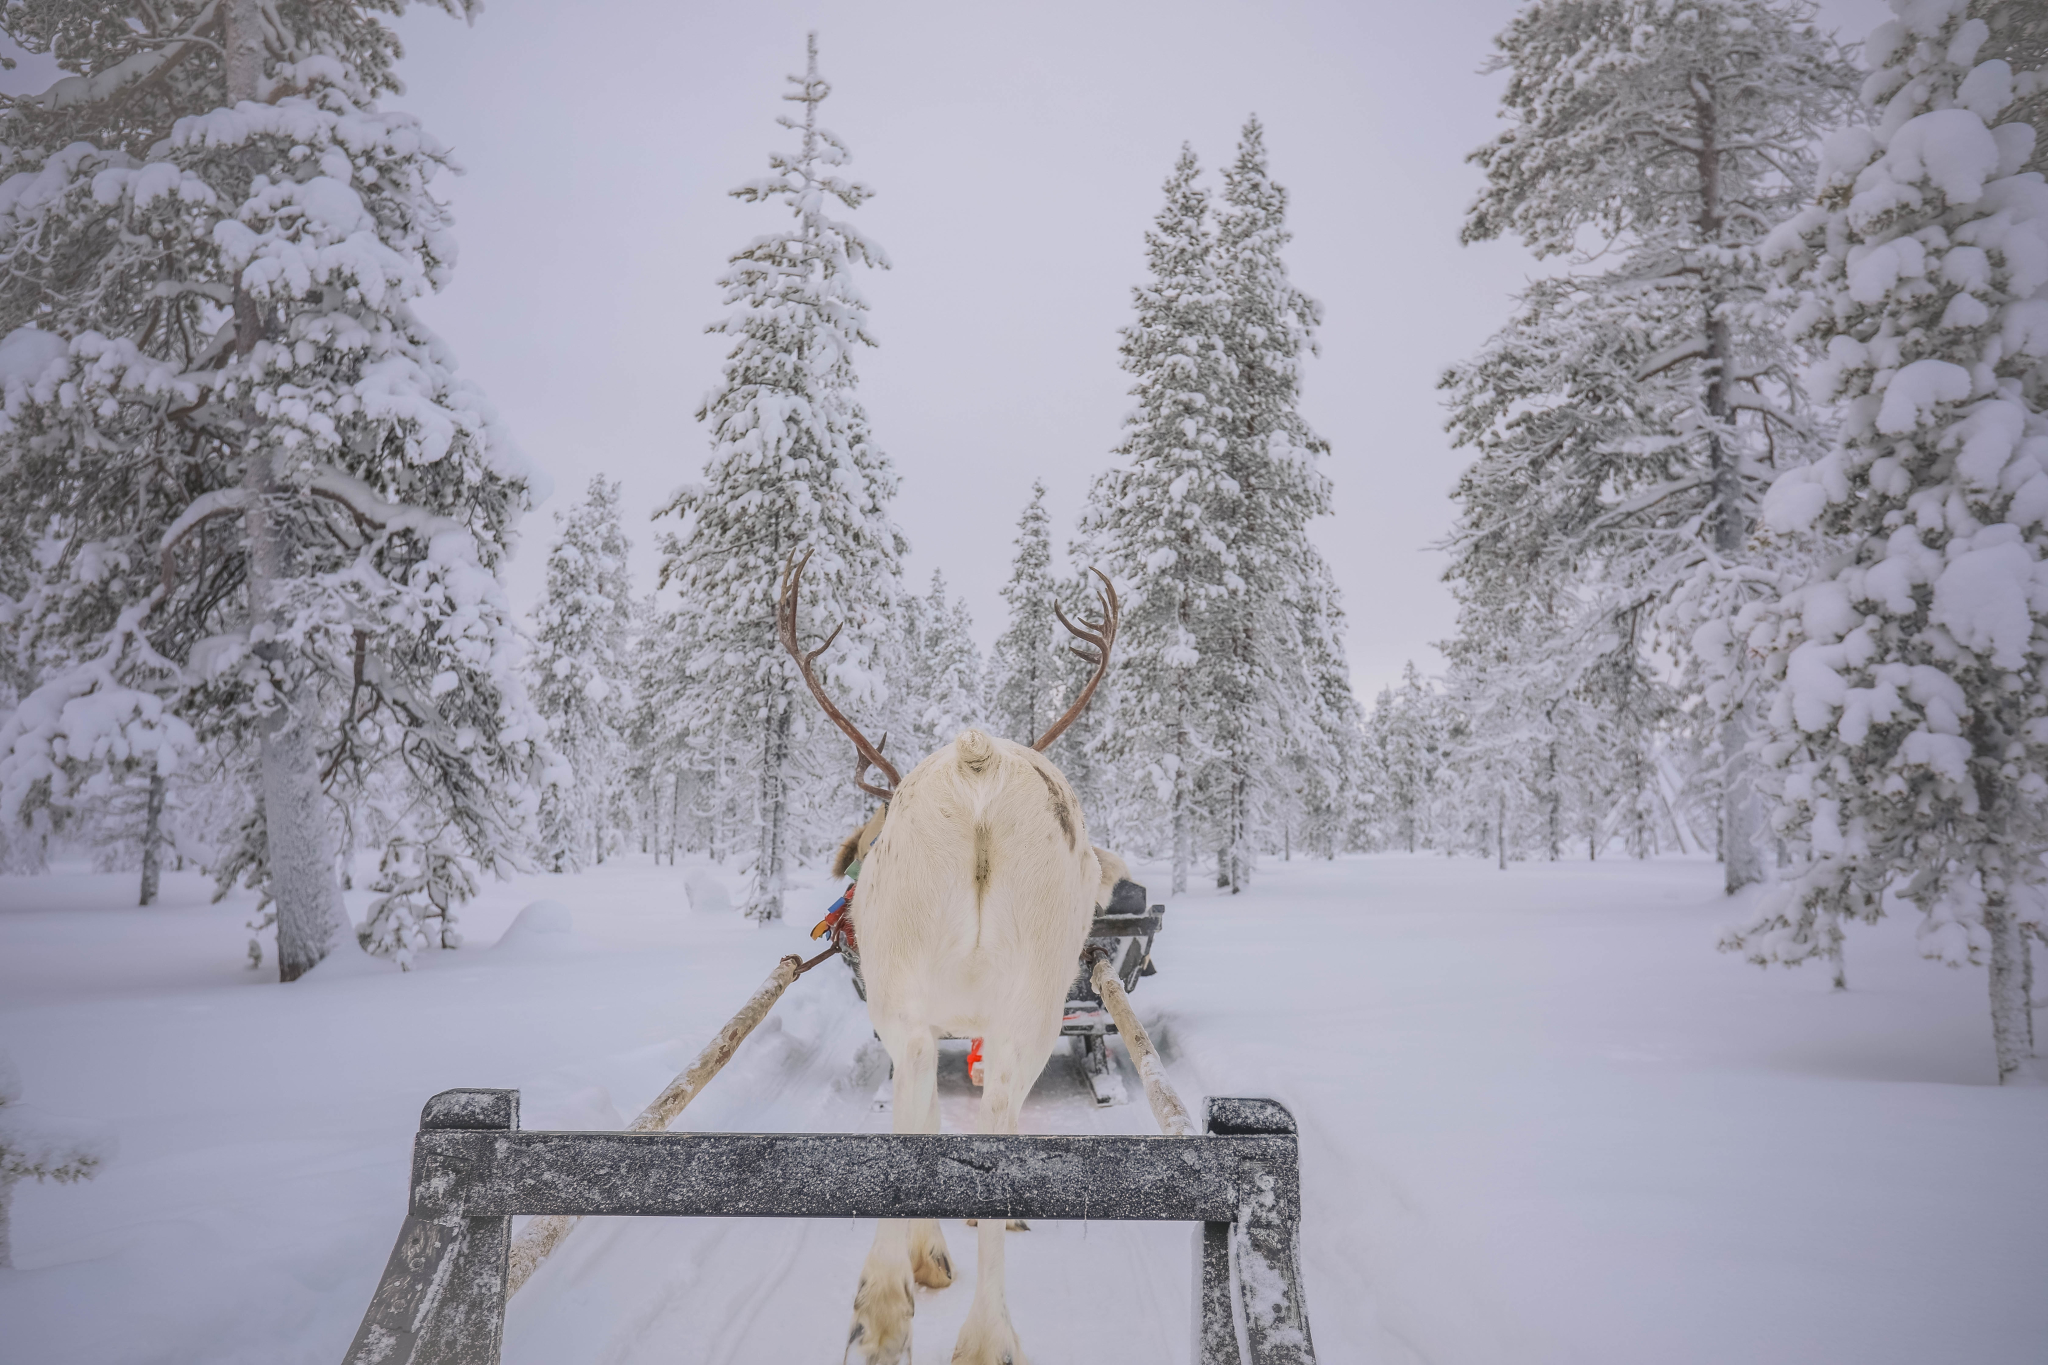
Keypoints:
(1125, 928)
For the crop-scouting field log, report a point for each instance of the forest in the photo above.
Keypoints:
(1746, 555)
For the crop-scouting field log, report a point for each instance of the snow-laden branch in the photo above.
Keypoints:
(74, 92)
(1645, 500)
(365, 505)
(1692, 348)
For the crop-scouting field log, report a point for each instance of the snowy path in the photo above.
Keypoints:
(1543, 1123)
(673, 1289)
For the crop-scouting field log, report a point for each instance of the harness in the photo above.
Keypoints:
(838, 923)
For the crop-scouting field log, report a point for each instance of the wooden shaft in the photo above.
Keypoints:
(541, 1236)
(1166, 1106)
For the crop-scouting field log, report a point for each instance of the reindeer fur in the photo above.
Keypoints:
(975, 898)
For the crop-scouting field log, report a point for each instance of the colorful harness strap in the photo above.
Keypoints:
(837, 922)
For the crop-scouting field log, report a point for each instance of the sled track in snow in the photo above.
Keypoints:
(632, 1291)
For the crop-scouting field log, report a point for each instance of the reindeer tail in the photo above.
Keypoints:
(976, 752)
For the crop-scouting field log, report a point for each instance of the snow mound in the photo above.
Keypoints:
(544, 928)
(708, 895)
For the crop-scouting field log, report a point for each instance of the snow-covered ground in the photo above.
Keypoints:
(1543, 1120)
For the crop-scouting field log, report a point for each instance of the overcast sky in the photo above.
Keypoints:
(1017, 154)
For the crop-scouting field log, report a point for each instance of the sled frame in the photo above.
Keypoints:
(442, 1298)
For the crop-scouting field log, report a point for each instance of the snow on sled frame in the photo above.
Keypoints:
(442, 1298)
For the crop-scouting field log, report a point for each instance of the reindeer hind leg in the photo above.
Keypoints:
(885, 1301)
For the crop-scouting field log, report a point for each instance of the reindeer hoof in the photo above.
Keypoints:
(882, 1310)
(983, 1343)
(930, 1266)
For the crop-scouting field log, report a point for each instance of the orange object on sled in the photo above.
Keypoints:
(974, 1069)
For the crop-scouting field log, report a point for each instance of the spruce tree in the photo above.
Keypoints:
(944, 690)
(792, 470)
(1671, 134)
(1283, 699)
(1232, 696)
(1906, 744)
(581, 679)
(1164, 522)
(1024, 668)
(275, 512)
(1405, 739)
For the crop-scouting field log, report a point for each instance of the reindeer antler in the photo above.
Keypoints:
(1102, 635)
(785, 625)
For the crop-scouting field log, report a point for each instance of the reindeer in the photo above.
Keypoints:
(977, 887)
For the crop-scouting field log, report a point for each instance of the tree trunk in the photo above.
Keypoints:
(1741, 861)
(1554, 816)
(6, 1207)
(300, 865)
(1500, 829)
(300, 862)
(765, 904)
(1741, 855)
(1839, 969)
(2010, 1026)
(1238, 870)
(2027, 983)
(153, 839)
(1183, 802)
(674, 823)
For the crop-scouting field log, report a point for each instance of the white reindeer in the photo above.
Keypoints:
(977, 887)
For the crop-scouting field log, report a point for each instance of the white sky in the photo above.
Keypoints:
(1017, 153)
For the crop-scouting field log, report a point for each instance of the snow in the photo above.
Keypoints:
(1543, 1120)
(1914, 391)
(1982, 597)
(27, 353)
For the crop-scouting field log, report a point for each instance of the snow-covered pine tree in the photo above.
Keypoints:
(1406, 739)
(1165, 520)
(1323, 758)
(1908, 738)
(666, 757)
(2018, 32)
(581, 679)
(1024, 668)
(273, 511)
(944, 690)
(792, 470)
(1274, 709)
(1555, 584)
(1672, 133)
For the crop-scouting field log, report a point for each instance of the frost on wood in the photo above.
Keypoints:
(443, 1293)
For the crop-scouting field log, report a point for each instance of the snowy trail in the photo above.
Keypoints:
(741, 1290)
(1543, 1123)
